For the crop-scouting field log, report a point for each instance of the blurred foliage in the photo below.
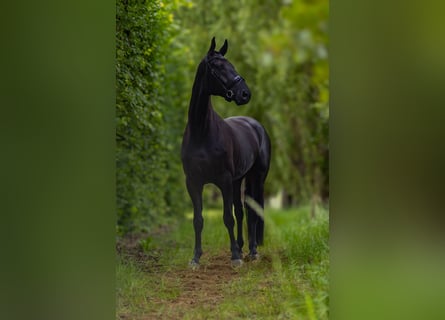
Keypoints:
(279, 47)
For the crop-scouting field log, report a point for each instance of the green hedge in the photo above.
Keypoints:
(148, 122)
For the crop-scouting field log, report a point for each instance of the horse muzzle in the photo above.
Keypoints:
(240, 94)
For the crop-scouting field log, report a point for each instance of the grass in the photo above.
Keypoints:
(290, 281)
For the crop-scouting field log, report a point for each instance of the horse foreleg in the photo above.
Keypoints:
(195, 192)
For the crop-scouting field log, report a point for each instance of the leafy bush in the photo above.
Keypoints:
(148, 174)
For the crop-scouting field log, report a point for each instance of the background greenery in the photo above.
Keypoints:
(280, 48)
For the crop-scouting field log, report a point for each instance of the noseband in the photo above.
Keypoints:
(227, 87)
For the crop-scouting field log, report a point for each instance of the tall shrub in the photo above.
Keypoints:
(147, 157)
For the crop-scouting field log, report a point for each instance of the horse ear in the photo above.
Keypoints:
(223, 49)
(212, 45)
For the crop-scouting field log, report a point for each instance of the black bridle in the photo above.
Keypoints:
(227, 86)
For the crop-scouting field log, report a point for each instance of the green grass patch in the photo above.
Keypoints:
(290, 281)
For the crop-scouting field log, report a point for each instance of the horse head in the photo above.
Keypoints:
(222, 77)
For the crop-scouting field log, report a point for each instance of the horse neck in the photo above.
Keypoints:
(201, 114)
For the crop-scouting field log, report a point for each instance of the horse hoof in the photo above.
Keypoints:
(193, 265)
(237, 263)
(253, 257)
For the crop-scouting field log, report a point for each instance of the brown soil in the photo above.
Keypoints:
(201, 287)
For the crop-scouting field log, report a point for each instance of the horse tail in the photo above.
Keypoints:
(265, 153)
(260, 231)
(255, 209)
(255, 184)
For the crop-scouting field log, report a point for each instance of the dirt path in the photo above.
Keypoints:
(202, 287)
(196, 288)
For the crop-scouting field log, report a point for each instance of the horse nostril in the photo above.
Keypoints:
(244, 94)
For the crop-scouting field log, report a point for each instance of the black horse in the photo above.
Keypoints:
(224, 152)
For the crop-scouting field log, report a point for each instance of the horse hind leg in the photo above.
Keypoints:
(239, 213)
(226, 187)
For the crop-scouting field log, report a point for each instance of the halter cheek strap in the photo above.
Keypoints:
(227, 87)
